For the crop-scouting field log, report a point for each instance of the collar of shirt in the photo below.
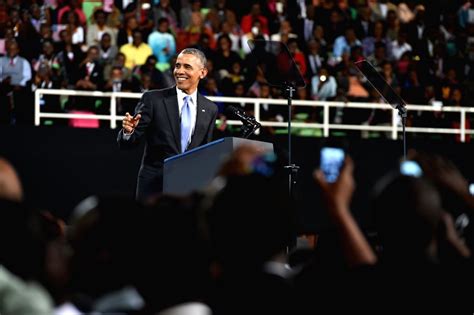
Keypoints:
(15, 60)
(193, 100)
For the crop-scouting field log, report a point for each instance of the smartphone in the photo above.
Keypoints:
(410, 168)
(471, 188)
(332, 160)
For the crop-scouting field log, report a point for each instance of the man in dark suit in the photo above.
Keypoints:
(173, 120)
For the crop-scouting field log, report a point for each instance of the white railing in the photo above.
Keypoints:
(326, 126)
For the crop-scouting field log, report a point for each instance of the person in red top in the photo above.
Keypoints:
(255, 14)
(76, 6)
(297, 55)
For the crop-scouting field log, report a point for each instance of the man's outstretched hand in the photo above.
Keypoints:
(129, 123)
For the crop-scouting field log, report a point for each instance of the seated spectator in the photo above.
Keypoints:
(248, 21)
(118, 83)
(314, 58)
(137, 52)
(226, 29)
(255, 33)
(150, 68)
(187, 11)
(412, 89)
(48, 57)
(297, 55)
(44, 79)
(46, 32)
(399, 46)
(323, 86)
(15, 74)
(143, 84)
(119, 61)
(125, 33)
(164, 10)
(28, 38)
(393, 26)
(335, 27)
(212, 21)
(378, 57)
(363, 24)
(376, 37)
(73, 6)
(343, 44)
(96, 30)
(211, 89)
(284, 32)
(234, 26)
(389, 76)
(90, 71)
(91, 78)
(143, 11)
(163, 44)
(35, 13)
(9, 35)
(107, 52)
(231, 78)
(69, 57)
(224, 57)
(191, 35)
(73, 27)
(267, 111)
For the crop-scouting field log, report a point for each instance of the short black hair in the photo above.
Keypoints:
(196, 52)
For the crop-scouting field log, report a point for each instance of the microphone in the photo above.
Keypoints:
(244, 118)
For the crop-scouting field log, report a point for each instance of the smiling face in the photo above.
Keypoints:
(188, 71)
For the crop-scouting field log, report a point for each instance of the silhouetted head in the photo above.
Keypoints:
(251, 220)
(408, 218)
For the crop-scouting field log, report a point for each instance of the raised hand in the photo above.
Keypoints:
(338, 195)
(129, 122)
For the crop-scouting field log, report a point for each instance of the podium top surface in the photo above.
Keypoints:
(233, 141)
(195, 149)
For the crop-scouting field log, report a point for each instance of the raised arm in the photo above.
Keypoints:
(338, 195)
(133, 127)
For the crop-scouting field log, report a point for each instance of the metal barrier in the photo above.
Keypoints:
(326, 126)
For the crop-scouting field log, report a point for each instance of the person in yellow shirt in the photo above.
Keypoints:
(137, 52)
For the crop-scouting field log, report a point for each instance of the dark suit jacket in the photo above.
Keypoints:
(160, 125)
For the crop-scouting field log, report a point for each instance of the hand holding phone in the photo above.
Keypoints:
(332, 160)
(338, 194)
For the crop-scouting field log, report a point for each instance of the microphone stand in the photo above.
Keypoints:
(289, 89)
(402, 111)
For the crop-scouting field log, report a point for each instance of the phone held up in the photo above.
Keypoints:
(410, 168)
(332, 160)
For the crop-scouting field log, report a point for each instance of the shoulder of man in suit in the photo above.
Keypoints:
(161, 92)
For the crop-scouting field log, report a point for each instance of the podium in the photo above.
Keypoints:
(196, 168)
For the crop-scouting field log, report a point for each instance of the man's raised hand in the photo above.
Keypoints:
(129, 123)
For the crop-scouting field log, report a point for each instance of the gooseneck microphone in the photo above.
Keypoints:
(250, 124)
(244, 118)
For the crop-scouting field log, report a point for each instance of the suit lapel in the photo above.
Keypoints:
(171, 105)
(202, 122)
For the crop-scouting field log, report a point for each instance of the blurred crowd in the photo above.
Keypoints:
(217, 252)
(423, 49)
